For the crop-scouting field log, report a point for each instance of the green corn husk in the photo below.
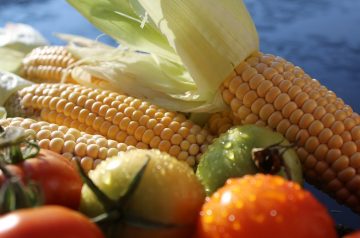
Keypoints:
(188, 54)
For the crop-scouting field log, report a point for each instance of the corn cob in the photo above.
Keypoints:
(71, 143)
(220, 122)
(268, 90)
(115, 116)
(54, 64)
(48, 64)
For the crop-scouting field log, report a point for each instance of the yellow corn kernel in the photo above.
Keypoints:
(48, 64)
(52, 64)
(220, 122)
(125, 119)
(277, 94)
(69, 142)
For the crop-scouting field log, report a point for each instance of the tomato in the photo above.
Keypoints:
(353, 235)
(47, 221)
(168, 193)
(230, 155)
(264, 206)
(58, 179)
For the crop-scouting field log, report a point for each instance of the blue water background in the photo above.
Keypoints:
(322, 36)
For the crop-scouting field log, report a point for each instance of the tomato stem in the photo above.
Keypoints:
(16, 155)
(106, 217)
(148, 224)
(12, 142)
(15, 195)
(107, 202)
(133, 185)
(31, 150)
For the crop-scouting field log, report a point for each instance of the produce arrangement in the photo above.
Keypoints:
(186, 129)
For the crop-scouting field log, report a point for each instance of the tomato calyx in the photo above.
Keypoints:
(15, 146)
(14, 194)
(116, 214)
(269, 160)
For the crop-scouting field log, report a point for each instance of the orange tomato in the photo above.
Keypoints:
(264, 206)
(353, 235)
(58, 179)
(46, 222)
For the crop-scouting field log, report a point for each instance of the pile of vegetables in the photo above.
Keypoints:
(142, 193)
(97, 141)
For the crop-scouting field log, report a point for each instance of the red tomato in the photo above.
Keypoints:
(46, 222)
(353, 235)
(264, 206)
(58, 179)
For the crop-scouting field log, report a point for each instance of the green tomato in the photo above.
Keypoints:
(168, 192)
(230, 155)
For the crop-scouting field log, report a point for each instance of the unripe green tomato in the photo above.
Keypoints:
(230, 155)
(169, 192)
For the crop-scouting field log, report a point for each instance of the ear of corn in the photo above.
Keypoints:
(14, 108)
(71, 143)
(263, 89)
(48, 64)
(54, 64)
(220, 122)
(268, 90)
(118, 117)
(114, 69)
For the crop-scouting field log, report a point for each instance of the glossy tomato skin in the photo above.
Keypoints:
(168, 193)
(355, 234)
(264, 206)
(47, 222)
(60, 182)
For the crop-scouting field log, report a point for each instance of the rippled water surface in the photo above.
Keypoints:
(322, 36)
